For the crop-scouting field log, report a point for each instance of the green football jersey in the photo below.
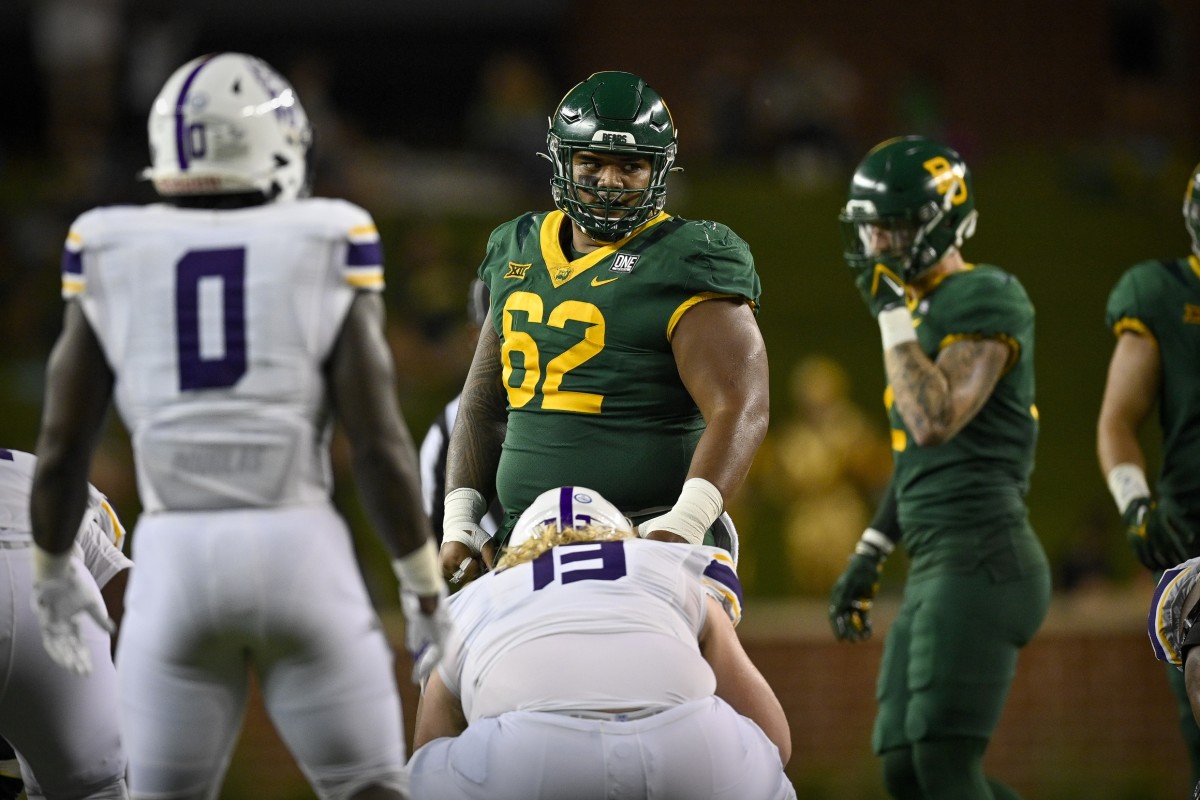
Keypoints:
(965, 497)
(594, 396)
(1162, 299)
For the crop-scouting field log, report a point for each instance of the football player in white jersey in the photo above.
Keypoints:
(232, 323)
(61, 722)
(594, 664)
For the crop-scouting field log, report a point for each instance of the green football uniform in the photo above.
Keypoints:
(1161, 299)
(982, 474)
(978, 585)
(594, 396)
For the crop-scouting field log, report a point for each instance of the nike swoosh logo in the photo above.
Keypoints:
(598, 282)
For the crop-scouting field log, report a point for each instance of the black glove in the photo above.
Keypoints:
(880, 287)
(1155, 541)
(854, 592)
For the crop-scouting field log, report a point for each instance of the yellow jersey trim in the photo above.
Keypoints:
(73, 286)
(368, 280)
(692, 301)
(1134, 326)
(118, 528)
(559, 267)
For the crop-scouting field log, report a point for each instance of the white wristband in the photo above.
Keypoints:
(698, 506)
(465, 508)
(1127, 482)
(419, 571)
(49, 565)
(872, 538)
(896, 327)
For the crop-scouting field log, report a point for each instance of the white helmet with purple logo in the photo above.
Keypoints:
(567, 507)
(228, 123)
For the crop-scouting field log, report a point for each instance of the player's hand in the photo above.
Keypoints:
(880, 287)
(58, 598)
(461, 565)
(463, 539)
(647, 530)
(1156, 542)
(427, 629)
(854, 593)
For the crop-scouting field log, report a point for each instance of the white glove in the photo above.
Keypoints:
(58, 597)
(425, 635)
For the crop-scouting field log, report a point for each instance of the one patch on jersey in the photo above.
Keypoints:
(517, 271)
(624, 262)
(1191, 314)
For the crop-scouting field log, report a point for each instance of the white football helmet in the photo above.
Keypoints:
(226, 123)
(567, 507)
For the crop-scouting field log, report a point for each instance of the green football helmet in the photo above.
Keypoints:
(910, 201)
(1191, 209)
(610, 112)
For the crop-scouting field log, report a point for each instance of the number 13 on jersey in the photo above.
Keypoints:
(591, 561)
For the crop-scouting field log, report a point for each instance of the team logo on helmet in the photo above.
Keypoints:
(229, 123)
(567, 507)
(610, 112)
(910, 202)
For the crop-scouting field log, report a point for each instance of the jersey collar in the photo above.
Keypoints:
(561, 268)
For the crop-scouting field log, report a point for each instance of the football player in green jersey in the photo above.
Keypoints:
(1154, 310)
(958, 351)
(622, 351)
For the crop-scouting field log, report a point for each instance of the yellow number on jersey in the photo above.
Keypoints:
(553, 397)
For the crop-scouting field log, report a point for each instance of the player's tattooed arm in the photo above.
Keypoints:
(937, 399)
(473, 453)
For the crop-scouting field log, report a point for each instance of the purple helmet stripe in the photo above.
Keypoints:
(179, 105)
(566, 508)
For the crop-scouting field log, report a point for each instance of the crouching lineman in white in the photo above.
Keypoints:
(233, 323)
(61, 722)
(594, 664)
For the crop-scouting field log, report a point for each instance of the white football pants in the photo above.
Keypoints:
(700, 749)
(216, 594)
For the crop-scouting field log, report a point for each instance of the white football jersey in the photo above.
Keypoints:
(588, 626)
(216, 325)
(100, 536)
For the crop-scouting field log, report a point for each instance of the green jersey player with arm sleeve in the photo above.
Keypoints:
(1154, 311)
(958, 350)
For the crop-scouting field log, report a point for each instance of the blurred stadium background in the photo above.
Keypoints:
(1079, 119)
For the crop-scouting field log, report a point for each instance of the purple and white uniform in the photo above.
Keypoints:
(63, 726)
(217, 325)
(564, 701)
